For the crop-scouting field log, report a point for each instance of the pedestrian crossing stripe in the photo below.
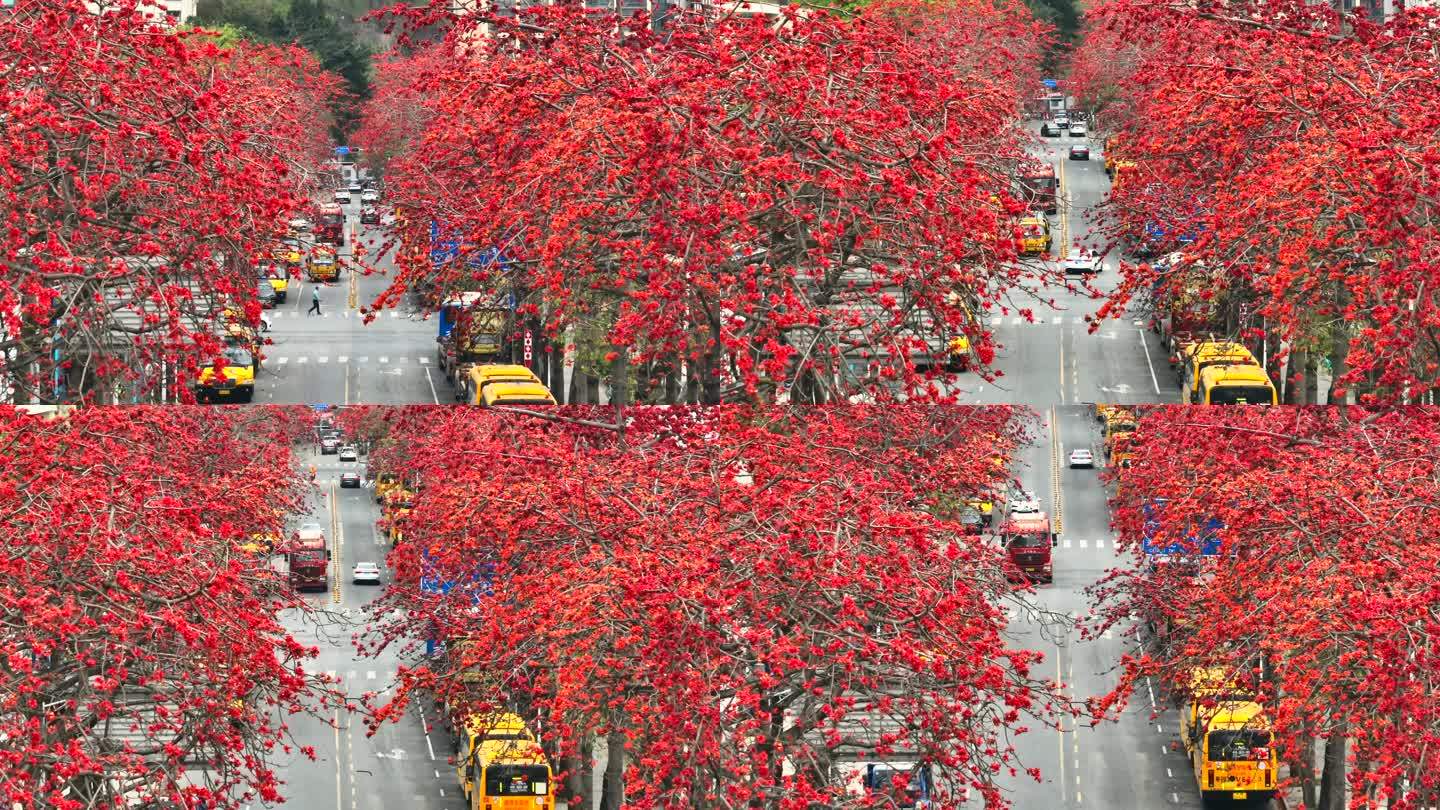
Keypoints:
(1099, 544)
(325, 360)
(1040, 320)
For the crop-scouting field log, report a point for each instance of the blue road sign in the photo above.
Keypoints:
(342, 150)
(1050, 83)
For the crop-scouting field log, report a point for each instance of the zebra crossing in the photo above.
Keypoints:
(1096, 544)
(342, 359)
(341, 314)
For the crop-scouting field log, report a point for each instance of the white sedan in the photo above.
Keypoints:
(342, 196)
(370, 195)
(1082, 457)
(366, 572)
(1077, 130)
(347, 453)
(1082, 263)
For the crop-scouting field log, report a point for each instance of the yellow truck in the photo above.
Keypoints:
(1228, 738)
(501, 766)
(383, 484)
(1244, 384)
(323, 264)
(1200, 355)
(1034, 235)
(516, 393)
(477, 378)
(236, 381)
(1119, 423)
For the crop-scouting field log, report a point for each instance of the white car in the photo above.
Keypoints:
(370, 195)
(1077, 129)
(264, 322)
(347, 453)
(1085, 264)
(299, 225)
(342, 196)
(1024, 503)
(1082, 457)
(366, 572)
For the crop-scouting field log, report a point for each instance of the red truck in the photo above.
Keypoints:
(1039, 186)
(309, 559)
(330, 225)
(1027, 540)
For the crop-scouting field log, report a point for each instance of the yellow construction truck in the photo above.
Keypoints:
(1228, 737)
(501, 766)
(1119, 422)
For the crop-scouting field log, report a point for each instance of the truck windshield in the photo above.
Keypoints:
(516, 780)
(1025, 541)
(1236, 746)
(1240, 395)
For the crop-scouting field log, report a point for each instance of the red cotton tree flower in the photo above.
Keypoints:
(1321, 594)
(137, 184)
(745, 603)
(1298, 147)
(144, 660)
(806, 209)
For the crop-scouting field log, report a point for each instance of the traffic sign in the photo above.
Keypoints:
(342, 150)
(529, 344)
(1050, 83)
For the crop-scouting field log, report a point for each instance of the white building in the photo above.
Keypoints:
(177, 11)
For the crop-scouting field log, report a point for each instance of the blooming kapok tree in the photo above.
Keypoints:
(1322, 594)
(744, 603)
(143, 657)
(736, 209)
(1299, 147)
(136, 187)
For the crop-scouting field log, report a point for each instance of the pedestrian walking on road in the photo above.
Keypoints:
(314, 301)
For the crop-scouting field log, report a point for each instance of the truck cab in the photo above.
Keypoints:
(1028, 540)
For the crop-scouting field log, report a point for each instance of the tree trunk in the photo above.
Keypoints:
(1332, 774)
(620, 376)
(580, 769)
(1300, 378)
(1339, 348)
(612, 790)
(1302, 770)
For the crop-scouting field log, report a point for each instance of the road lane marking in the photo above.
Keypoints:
(337, 758)
(342, 359)
(433, 394)
(322, 359)
(384, 360)
(370, 675)
(301, 359)
(282, 360)
(1145, 347)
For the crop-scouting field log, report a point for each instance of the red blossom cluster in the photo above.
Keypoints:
(144, 660)
(804, 207)
(1298, 146)
(747, 603)
(1321, 594)
(138, 184)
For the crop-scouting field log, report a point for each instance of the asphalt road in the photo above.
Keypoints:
(334, 357)
(1127, 763)
(1050, 356)
(402, 765)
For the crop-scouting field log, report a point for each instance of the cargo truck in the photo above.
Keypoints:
(472, 330)
(1028, 540)
(309, 559)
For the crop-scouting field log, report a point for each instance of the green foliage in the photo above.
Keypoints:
(315, 25)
